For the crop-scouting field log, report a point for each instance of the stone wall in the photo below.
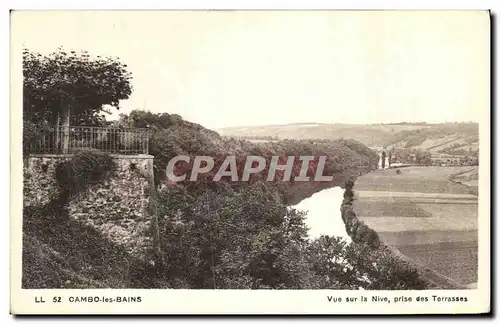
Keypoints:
(39, 182)
(118, 207)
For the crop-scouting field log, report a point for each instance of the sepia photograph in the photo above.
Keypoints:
(337, 158)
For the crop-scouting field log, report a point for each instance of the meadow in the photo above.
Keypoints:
(431, 220)
(431, 179)
(457, 260)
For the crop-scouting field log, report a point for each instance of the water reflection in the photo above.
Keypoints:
(323, 213)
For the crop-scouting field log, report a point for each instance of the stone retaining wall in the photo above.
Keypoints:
(118, 206)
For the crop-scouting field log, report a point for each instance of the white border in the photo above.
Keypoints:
(257, 4)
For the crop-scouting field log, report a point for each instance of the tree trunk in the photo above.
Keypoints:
(57, 142)
(65, 126)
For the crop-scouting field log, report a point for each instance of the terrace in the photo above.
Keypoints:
(70, 139)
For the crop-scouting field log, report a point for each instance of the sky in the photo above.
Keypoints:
(247, 68)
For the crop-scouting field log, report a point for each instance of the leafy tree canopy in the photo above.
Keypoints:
(52, 83)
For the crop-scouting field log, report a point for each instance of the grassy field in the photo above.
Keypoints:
(428, 218)
(421, 217)
(469, 178)
(414, 179)
(401, 208)
(428, 237)
(457, 260)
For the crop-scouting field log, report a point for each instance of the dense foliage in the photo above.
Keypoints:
(52, 83)
(357, 229)
(172, 136)
(230, 235)
(83, 169)
(413, 156)
(248, 240)
(244, 235)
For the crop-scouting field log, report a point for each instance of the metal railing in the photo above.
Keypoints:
(70, 139)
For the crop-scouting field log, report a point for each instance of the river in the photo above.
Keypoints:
(323, 213)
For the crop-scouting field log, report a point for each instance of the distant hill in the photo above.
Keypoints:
(454, 139)
(450, 137)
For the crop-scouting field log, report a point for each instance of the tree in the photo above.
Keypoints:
(230, 239)
(380, 269)
(328, 260)
(423, 157)
(338, 265)
(69, 82)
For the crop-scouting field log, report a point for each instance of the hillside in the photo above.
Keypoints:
(454, 139)
(446, 138)
(62, 253)
(173, 136)
(216, 235)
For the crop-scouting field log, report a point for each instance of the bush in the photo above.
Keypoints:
(355, 228)
(352, 266)
(382, 270)
(228, 239)
(83, 169)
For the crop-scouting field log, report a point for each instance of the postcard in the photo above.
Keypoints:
(250, 162)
